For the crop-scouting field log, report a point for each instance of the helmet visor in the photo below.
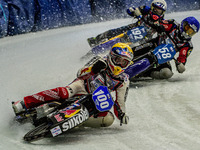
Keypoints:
(188, 30)
(157, 11)
(120, 61)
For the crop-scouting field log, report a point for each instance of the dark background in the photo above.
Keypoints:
(22, 16)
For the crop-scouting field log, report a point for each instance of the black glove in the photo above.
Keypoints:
(99, 66)
(159, 28)
(124, 119)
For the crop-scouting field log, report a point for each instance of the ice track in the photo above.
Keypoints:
(164, 115)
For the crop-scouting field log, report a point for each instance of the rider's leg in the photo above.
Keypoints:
(56, 94)
(162, 72)
(104, 119)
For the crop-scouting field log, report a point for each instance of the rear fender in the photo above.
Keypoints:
(105, 47)
(138, 67)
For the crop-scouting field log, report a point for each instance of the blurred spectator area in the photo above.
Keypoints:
(22, 16)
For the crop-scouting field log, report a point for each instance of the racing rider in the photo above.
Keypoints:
(151, 16)
(181, 35)
(107, 71)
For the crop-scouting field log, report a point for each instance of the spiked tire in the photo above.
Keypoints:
(37, 133)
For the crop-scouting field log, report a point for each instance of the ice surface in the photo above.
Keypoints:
(164, 115)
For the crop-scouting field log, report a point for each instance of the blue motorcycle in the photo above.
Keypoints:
(150, 48)
(65, 116)
(154, 57)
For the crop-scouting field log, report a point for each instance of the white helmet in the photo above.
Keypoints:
(159, 7)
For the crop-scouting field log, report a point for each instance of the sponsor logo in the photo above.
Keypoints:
(184, 52)
(71, 107)
(58, 118)
(68, 112)
(159, 4)
(172, 49)
(56, 131)
(158, 56)
(85, 70)
(75, 120)
(189, 52)
(38, 97)
(51, 93)
(143, 46)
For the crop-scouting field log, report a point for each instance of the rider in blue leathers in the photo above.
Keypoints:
(181, 35)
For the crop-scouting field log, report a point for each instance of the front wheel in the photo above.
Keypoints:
(39, 132)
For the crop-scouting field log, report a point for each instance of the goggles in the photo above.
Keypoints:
(188, 30)
(157, 11)
(120, 61)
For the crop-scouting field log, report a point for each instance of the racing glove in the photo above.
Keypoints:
(159, 28)
(124, 119)
(134, 12)
(180, 67)
(99, 66)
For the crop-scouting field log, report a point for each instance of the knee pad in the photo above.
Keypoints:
(100, 121)
(164, 73)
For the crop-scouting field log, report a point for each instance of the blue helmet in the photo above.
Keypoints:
(190, 26)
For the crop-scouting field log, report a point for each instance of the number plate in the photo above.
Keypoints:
(102, 99)
(164, 53)
(137, 34)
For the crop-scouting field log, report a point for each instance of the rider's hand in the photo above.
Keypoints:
(124, 119)
(135, 12)
(159, 28)
(130, 11)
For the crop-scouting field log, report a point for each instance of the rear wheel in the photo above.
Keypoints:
(39, 132)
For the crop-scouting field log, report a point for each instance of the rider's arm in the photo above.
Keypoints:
(184, 52)
(119, 107)
(138, 11)
(169, 25)
(94, 66)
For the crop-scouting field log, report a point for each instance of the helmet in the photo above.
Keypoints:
(189, 26)
(158, 8)
(119, 58)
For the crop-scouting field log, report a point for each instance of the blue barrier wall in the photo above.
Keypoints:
(22, 16)
(4, 14)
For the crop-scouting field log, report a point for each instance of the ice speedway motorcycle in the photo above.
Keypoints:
(58, 118)
(144, 42)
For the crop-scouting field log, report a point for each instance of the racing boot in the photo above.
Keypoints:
(18, 107)
(92, 41)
